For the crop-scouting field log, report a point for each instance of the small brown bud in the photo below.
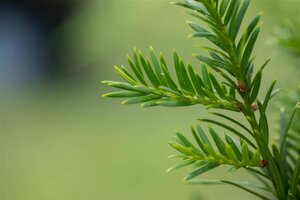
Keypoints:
(241, 86)
(254, 107)
(238, 106)
(263, 163)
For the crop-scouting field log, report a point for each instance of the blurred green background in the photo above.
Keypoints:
(61, 140)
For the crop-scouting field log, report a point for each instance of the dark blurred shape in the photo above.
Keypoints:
(28, 52)
(49, 12)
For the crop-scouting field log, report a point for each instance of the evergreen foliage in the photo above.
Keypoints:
(224, 80)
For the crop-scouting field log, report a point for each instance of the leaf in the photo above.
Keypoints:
(149, 104)
(255, 84)
(248, 49)
(274, 93)
(197, 27)
(256, 158)
(245, 37)
(233, 146)
(199, 142)
(127, 73)
(232, 92)
(182, 149)
(217, 54)
(197, 85)
(136, 61)
(246, 189)
(236, 24)
(225, 91)
(188, 85)
(214, 63)
(202, 34)
(141, 99)
(205, 19)
(178, 70)
(201, 170)
(125, 76)
(199, 80)
(213, 98)
(176, 93)
(260, 173)
(217, 86)
(173, 103)
(230, 153)
(206, 80)
(148, 70)
(229, 11)
(222, 36)
(230, 129)
(256, 87)
(245, 152)
(157, 68)
(220, 181)
(168, 78)
(214, 54)
(260, 71)
(146, 90)
(180, 165)
(183, 140)
(232, 120)
(162, 60)
(212, 152)
(191, 4)
(223, 7)
(233, 169)
(213, 14)
(120, 85)
(122, 94)
(233, 18)
(268, 96)
(136, 71)
(249, 73)
(203, 136)
(218, 141)
(263, 122)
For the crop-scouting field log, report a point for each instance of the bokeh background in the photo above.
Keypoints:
(60, 140)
